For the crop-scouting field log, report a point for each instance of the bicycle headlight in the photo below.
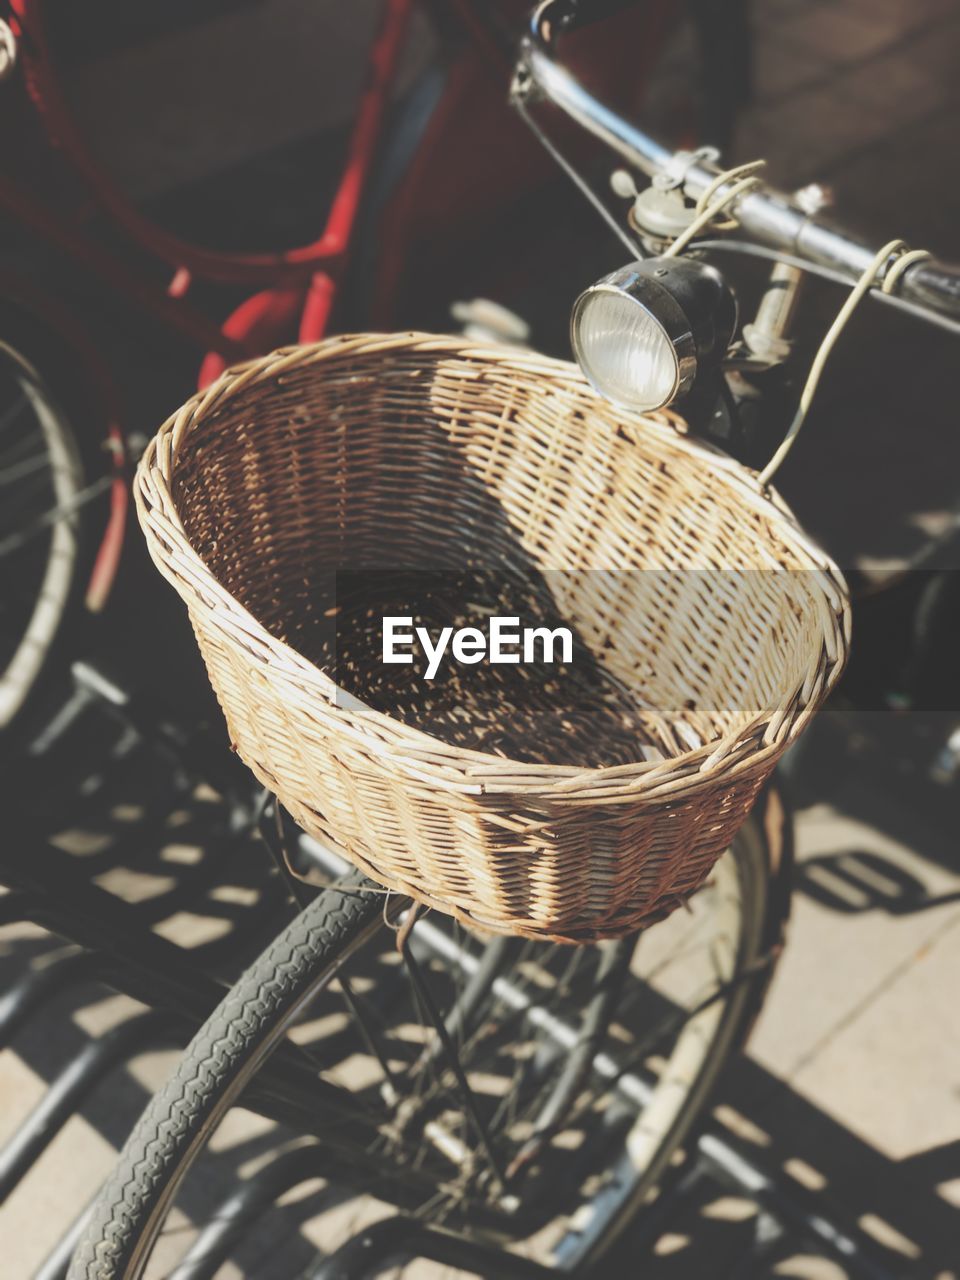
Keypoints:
(643, 334)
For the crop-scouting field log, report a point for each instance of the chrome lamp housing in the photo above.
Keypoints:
(643, 335)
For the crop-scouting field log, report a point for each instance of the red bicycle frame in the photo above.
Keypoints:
(295, 267)
(301, 282)
(297, 288)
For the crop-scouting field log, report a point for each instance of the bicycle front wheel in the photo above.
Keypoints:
(516, 1092)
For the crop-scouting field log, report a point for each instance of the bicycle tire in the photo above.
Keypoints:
(129, 1212)
(218, 1061)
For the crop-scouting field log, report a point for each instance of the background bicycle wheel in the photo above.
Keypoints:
(848, 1094)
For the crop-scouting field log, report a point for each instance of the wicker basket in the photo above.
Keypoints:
(713, 628)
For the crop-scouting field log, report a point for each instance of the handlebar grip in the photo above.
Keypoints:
(935, 285)
(575, 14)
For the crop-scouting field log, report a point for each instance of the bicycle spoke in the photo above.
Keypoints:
(21, 504)
(14, 454)
(369, 1036)
(12, 413)
(453, 1061)
(20, 539)
(490, 1083)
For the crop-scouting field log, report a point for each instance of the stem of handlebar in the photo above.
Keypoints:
(765, 215)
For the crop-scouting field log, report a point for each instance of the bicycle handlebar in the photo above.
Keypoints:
(765, 214)
(936, 285)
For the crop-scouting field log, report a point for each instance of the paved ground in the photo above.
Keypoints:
(851, 1087)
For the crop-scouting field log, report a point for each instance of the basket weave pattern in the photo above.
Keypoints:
(410, 450)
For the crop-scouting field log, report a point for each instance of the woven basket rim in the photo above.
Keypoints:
(416, 751)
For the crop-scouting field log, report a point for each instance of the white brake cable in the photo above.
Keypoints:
(888, 273)
(742, 178)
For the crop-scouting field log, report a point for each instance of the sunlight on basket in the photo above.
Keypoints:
(579, 805)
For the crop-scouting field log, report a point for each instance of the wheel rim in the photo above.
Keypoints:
(52, 471)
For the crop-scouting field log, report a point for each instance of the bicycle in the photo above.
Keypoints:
(301, 285)
(400, 1136)
(378, 208)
